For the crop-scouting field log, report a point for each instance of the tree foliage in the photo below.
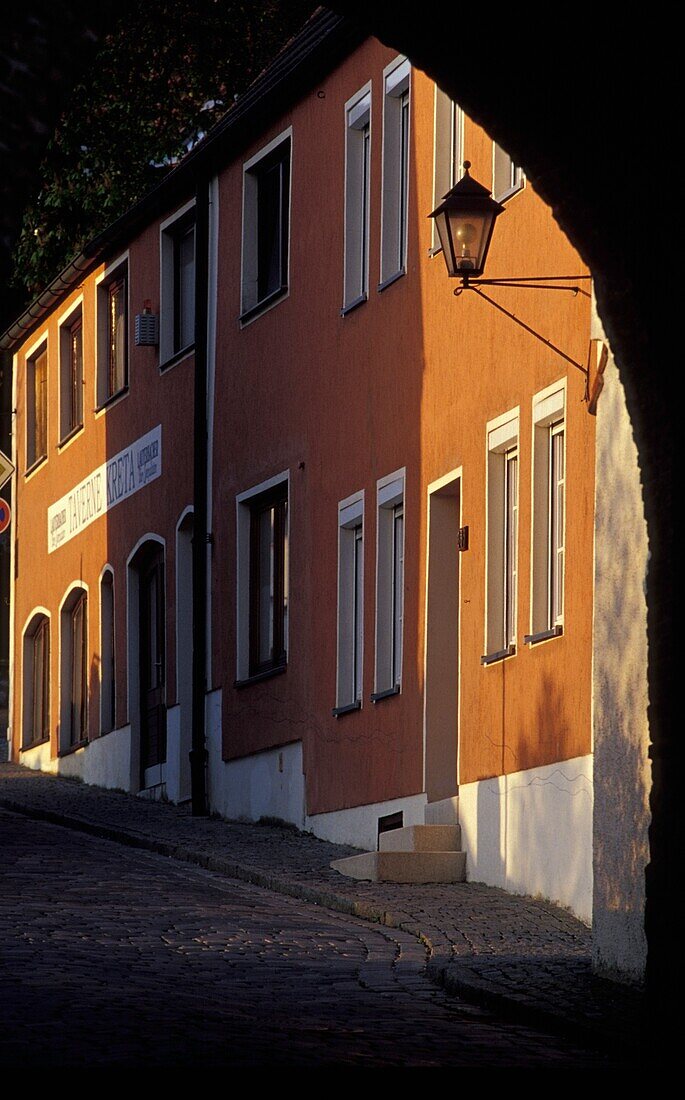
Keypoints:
(166, 74)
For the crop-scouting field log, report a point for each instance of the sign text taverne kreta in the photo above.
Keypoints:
(118, 478)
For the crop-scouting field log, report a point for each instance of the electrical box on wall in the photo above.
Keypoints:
(147, 329)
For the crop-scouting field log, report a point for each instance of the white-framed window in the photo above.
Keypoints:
(263, 568)
(74, 669)
(357, 197)
(395, 186)
(448, 152)
(350, 603)
(71, 371)
(107, 653)
(37, 405)
(389, 584)
(36, 681)
(549, 510)
(177, 282)
(266, 226)
(502, 537)
(112, 331)
(507, 177)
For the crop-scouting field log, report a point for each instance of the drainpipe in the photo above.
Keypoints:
(201, 536)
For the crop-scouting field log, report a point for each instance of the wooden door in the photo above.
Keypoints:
(152, 663)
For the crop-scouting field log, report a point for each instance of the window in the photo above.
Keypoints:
(71, 373)
(350, 603)
(266, 218)
(107, 666)
(395, 199)
(507, 177)
(448, 165)
(36, 717)
(547, 611)
(178, 284)
(263, 580)
(112, 306)
(389, 585)
(74, 670)
(357, 192)
(502, 539)
(37, 407)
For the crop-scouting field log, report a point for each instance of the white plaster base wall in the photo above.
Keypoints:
(103, 762)
(358, 826)
(531, 833)
(177, 759)
(266, 784)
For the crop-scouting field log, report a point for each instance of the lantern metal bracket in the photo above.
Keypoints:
(527, 282)
(475, 286)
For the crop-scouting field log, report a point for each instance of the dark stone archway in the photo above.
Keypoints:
(581, 106)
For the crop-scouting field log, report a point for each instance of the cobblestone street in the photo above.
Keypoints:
(113, 957)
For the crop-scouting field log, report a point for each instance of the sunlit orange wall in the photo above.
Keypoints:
(409, 379)
(153, 398)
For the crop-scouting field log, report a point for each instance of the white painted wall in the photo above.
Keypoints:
(620, 725)
(359, 825)
(103, 762)
(177, 762)
(531, 832)
(265, 784)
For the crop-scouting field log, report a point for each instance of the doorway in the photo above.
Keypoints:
(442, 640)
(152, 668)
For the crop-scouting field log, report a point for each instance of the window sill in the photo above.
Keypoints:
(35, 744)
(543, 635)
(338, 712)
(71, 434)
(391, 279)
(261, 307)
(36, 465)
(387, 694)
(499, 655)
(354, 304)
(73, 748)
(259, 676)
(184, 353)
(112, 400)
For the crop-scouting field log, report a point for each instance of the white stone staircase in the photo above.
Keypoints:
(415, 853)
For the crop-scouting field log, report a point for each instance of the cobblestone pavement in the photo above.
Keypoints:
(120, 958)
(520, 955)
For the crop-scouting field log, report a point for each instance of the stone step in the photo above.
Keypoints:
(421, 838)
(414, 867)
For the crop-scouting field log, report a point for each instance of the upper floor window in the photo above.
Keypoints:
(177, 331)
(507, 177)
(71, 372)
(37, 407)
(266, 226)
(395, 191)
(448, 166)
(357, 195)
(112, 336)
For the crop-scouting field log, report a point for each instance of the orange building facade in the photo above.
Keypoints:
(400, 484)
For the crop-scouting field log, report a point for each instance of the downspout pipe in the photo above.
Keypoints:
(201, 536)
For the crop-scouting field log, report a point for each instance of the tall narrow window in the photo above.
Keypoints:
(357, 192)
(37, 408)
(112, 335)
(266, 227)
(507, 177)
(177, 308)
(549, 506)
(36, 686)
(268, 581)
(389, 585)
(449, 151)
(350, 604)
(502, 539)
(76, 374)
(79, 672)
(71, 373)
(395, 190)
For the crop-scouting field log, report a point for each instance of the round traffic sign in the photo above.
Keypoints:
(5, 515)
